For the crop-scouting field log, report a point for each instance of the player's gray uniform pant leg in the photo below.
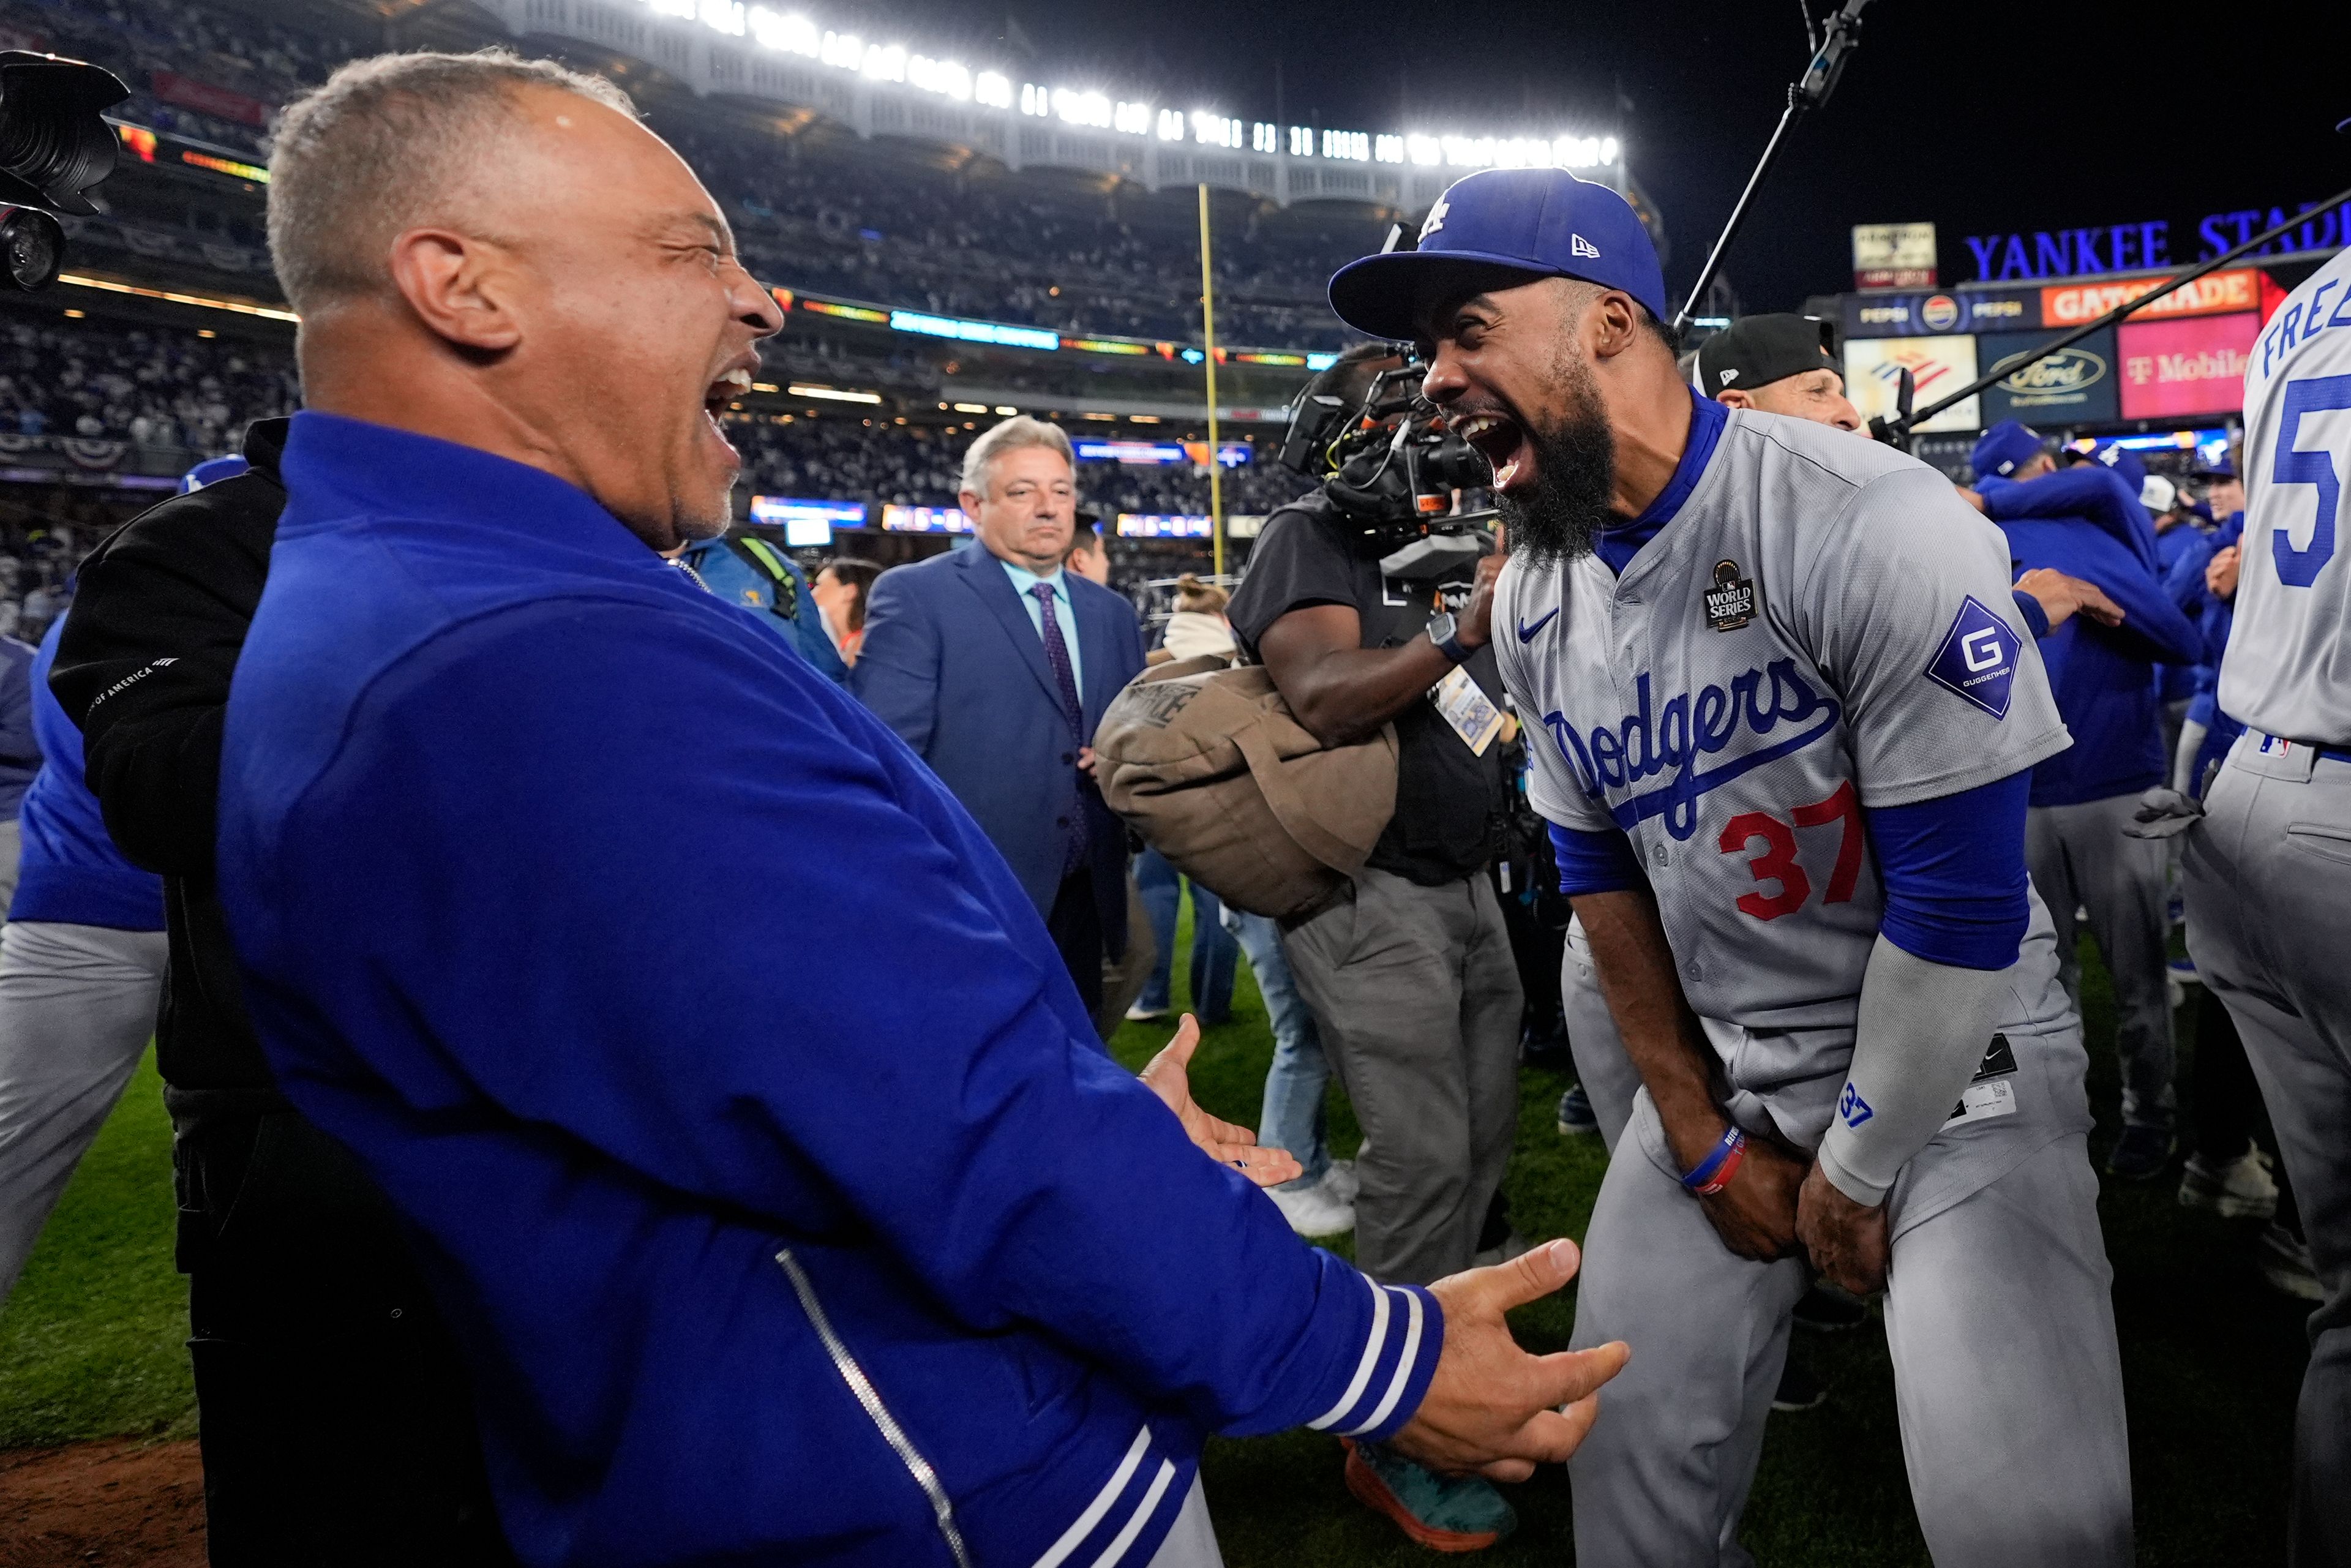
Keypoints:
(2268, 925)
(2080, 857)
(2012, 1397)
(1602, 1065)
(1192, 1542)
(2006, 1367)
(1418, 1002)
(1662, 1478)
(77, 1007)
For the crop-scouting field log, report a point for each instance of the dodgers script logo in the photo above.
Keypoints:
(1676, 737)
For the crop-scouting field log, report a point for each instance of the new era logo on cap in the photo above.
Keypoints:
(1581, 246)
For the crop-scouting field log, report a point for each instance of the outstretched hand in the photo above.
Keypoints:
(1491, 1407)
(1169, 1077)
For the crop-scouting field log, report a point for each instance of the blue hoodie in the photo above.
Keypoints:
(777, 1188)
(70, 871)
(2085, 522)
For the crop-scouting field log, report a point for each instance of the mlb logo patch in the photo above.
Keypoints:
(1977, 658)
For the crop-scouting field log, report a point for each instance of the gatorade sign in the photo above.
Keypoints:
(2214, 294)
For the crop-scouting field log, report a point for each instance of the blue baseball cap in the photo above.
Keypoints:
(2004, 448)
(2221, 467)
(1497, 229)
(2122, 460)
(211, 471)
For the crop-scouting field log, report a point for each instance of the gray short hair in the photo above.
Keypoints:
(1014, 433)
(378, 147)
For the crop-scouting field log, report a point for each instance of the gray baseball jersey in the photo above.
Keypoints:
(1822, 626)
(2287, 671)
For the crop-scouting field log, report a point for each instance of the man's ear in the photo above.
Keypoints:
(1735, 397)
(969, 501)
(457, 286)
(1614, 323)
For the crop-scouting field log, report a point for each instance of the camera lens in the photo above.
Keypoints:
(32, 249)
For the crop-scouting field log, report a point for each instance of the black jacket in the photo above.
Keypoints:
(159, 614)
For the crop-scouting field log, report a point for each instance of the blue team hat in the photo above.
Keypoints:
(1500, 228)
(2121, 459)
(211, 471)
(2004, 448)
(2222, 467)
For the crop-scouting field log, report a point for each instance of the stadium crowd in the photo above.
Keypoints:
(883, 464)
(938, 778)
(828, 219)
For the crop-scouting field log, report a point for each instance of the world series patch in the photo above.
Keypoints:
(1729, 598)
(1977, 658)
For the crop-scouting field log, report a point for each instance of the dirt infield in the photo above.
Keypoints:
(115, 1503)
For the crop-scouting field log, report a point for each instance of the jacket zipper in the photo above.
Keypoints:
(863, 1387)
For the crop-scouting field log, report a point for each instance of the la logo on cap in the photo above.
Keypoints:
(1579, 246)
(1436, 218)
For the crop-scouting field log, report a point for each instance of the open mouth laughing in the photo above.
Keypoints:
(1503, 443)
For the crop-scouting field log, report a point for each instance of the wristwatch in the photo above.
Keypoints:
(1442, 631)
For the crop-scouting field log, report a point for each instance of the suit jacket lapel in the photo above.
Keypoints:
(984, 575)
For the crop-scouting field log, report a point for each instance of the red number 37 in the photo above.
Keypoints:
(1777, 864)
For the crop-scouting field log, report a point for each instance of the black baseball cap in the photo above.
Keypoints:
(1756, 350)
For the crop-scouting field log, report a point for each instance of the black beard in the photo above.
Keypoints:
(1560, 514)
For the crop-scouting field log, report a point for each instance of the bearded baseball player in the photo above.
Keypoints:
(1789, 712)
(2266, 870)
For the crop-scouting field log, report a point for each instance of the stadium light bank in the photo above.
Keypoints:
(895, 64)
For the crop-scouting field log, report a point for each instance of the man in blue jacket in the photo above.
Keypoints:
(962, 660)
(743, 568)
(889, 1266)
(2086, 521)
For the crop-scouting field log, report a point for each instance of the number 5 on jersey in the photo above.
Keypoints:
(1777, 864)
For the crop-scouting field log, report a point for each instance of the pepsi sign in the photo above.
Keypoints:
(1947, 311)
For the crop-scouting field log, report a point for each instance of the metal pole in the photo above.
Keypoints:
(1738, 213)
(1209, 331)
(2011, 367)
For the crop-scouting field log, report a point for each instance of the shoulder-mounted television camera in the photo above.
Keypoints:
(54, 147)
(1391, 465)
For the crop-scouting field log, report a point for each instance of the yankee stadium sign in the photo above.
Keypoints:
(2119, 247)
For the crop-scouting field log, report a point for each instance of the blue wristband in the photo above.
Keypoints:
(1703, 1176)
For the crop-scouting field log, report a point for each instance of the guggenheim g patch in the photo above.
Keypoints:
(1977, 658)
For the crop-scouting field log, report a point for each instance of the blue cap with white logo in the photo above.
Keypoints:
(1496, 229)
(211, 471)
(2121, 459)
(2004, 448)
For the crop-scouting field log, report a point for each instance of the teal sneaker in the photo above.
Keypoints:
(1445, 1514)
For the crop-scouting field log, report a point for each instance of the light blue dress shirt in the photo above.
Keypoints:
(1023, 580)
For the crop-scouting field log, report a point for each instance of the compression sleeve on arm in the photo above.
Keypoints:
(1956, 907)
(1593, 862)
(1919, 1038)
(2035, 618)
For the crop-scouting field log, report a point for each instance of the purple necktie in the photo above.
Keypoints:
(1057, 653)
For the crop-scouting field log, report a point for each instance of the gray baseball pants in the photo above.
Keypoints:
(77, 1007)
(1602, 1063)
(1418, 1002)
(1191, 1542)
(2269, 923)
(2080, 857)
(2008, 1379)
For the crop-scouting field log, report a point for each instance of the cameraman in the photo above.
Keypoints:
(1409, 972)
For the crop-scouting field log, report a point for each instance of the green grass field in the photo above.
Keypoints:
(90, 1345)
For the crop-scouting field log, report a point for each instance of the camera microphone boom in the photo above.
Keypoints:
(56, 147)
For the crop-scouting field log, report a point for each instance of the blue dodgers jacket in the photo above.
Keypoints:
(2092, 528)
(70, 871)
(782, 1200)
(20, 752)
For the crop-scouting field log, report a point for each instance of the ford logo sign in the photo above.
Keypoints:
(2068, 371)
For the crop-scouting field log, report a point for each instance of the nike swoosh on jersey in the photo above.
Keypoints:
(1526, 633)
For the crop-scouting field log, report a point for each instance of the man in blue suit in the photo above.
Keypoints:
(994, 664)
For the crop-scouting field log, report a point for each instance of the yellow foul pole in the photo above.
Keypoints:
(1209, 326)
